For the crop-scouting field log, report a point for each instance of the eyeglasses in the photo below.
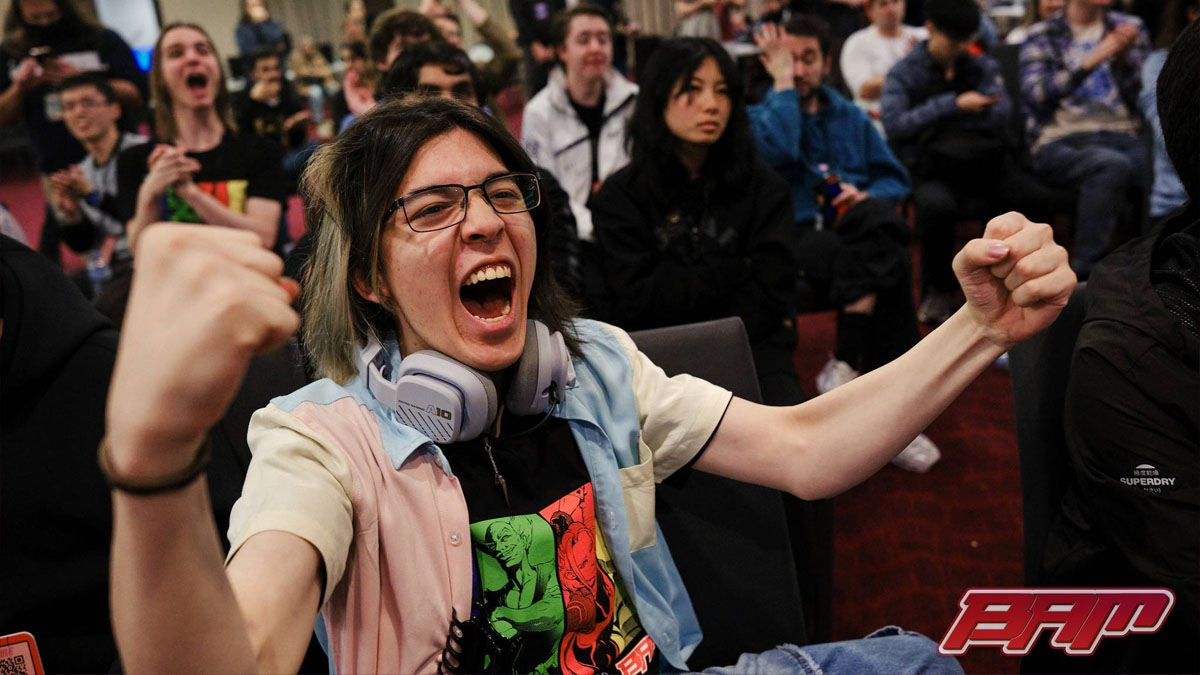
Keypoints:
(442, 206)
(83, 104)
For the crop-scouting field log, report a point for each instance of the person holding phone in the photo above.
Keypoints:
(946, 113)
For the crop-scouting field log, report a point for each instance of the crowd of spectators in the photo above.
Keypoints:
(759, 166)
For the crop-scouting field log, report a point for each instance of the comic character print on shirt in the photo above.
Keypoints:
(548, 586)
(231, 193)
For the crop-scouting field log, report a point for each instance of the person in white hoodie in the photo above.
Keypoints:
(870, 53)
(575, 126)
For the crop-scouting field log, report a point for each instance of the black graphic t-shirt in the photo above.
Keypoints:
(239, 167)
(545, 581)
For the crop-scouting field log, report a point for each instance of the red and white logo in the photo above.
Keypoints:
(1012, 618)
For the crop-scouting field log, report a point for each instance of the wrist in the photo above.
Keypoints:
(150, 467)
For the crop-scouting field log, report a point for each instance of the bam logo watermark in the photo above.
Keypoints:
(1012, 618)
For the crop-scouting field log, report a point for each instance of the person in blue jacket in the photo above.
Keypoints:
(845, 186)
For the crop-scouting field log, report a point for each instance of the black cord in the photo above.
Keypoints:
(554, 401)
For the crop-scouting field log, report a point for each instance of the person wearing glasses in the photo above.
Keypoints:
(84, 195)
(462, 397)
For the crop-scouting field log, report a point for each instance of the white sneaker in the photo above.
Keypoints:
(919, 456)
(834, 374)
(937, 307)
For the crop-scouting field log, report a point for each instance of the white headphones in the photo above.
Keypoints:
(449, 401)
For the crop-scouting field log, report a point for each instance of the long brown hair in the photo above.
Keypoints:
(348, 186)
(74, 23)
(160, 96)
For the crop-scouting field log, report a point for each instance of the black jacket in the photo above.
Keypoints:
(56, 359)
(685, 253)
(1131, 517)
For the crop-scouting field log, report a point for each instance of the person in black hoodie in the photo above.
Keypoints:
(698, 227)
(56, 358)
(1131, 517)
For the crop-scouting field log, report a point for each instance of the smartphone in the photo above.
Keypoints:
(41, 54)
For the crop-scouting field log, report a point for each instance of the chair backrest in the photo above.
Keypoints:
(1039, 368)
(729, 539)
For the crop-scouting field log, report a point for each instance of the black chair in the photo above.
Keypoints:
(1039, 368)
(729, 539)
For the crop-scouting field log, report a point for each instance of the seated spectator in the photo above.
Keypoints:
(256, 31)
(870, 53)
(269, 109)
(541, 502)
(358, 84)
(391, 33)
(396, 30)
(1167, 193)
(499, 71)
(46, 42)
(697, 227)
(575, 126)
(1131, 514)
(853, 245)
(535, 35)
(85, 194)
(1080, 80)
(314, 77)
(947, 115)
(1035, 11)
(198, 169)
(56, 360)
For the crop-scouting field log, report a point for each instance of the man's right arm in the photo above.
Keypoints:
(14, 89)
(204, 300)
(775, 124)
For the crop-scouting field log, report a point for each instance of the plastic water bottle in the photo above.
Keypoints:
(98, 271)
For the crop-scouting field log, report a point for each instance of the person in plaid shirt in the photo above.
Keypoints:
(1080, 79)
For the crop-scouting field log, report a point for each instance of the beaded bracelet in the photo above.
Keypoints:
(168, 483)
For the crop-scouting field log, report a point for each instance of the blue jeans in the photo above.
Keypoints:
(1103, 165)
(887, 651)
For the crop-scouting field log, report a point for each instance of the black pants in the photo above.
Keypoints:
(942, 203)
(866, 253)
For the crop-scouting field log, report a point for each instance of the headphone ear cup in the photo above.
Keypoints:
(443, 398)
(524, 391)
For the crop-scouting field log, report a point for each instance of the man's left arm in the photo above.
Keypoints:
(1016, 281)
(507, 56)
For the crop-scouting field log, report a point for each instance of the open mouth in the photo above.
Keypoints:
(197, 82)
(487, 292)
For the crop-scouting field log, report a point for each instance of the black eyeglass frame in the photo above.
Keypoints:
(398, 205)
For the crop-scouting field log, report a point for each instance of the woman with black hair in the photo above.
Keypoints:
(698, 227)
